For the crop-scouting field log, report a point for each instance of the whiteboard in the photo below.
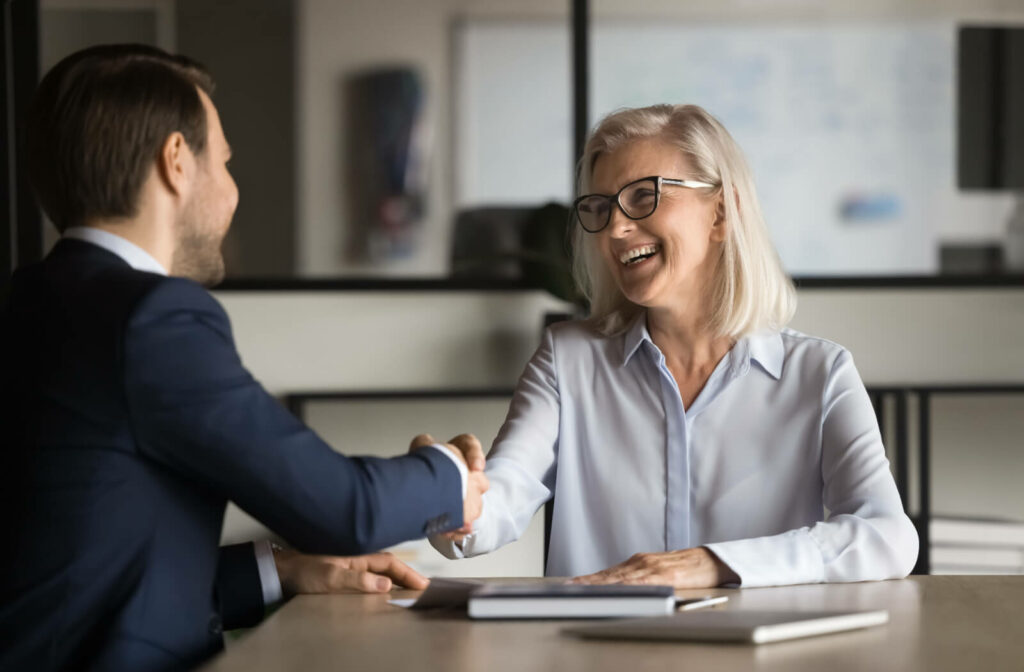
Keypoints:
(849, 128)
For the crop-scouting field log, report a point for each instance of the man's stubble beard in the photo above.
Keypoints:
(197, 249)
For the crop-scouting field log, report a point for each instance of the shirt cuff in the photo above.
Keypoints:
(269, 580)
(463, 471)
(446, 547)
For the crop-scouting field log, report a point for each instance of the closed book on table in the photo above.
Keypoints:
(570, 601)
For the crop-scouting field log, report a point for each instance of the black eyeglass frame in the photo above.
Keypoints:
(658, 182)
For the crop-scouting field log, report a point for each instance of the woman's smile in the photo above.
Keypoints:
(639, 254)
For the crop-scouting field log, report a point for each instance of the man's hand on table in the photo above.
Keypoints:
(468, 449)
(688, 568)
(375, 573)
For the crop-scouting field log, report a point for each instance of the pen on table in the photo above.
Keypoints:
(690, 603)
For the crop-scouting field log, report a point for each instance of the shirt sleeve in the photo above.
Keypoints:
(463, 471)
(270, 582)
(866, 535)
(239, 588)
(521, 463)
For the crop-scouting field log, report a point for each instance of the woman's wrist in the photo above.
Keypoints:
(723, 573)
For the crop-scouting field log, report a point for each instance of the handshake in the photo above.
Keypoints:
(468, 450)
(379, 572)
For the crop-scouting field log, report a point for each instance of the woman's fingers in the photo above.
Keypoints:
(642, 568)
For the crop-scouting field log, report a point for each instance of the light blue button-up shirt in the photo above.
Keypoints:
(777, 466)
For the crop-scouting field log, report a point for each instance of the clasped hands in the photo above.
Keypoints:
(467, 448)
(378, 572)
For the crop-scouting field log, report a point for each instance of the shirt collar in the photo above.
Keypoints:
(764, 347)
(132, 254)
(634, 336)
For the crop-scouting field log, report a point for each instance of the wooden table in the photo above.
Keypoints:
(936, 623)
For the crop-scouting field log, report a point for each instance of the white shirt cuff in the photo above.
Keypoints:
(447, 547)
(269, 580)
(463, 471)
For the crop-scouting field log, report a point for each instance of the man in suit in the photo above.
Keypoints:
(128, 418)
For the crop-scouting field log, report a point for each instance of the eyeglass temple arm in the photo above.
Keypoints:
(692, 184)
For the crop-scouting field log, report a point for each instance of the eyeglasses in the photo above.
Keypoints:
(637, 200)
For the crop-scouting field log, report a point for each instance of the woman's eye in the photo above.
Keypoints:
(642, 196)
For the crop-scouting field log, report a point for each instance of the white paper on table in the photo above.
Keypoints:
(441, 593)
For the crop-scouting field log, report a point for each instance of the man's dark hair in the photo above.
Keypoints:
(98, 122)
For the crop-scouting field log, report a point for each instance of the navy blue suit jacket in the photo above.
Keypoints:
(128, 423)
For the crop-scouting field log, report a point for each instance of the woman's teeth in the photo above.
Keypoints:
(637, 254)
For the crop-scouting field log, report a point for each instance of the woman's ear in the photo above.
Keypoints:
(718, 228)
(176, 164)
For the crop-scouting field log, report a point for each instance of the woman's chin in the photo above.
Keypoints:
(635, 283)
(641, 294)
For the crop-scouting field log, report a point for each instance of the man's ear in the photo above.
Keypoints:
(176, 164)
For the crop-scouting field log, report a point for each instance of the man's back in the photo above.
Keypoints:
(129, 422)
(104, 528)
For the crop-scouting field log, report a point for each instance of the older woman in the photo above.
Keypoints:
(686, 435)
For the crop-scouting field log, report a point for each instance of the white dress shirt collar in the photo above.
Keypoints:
(764, 347)
(132, 254)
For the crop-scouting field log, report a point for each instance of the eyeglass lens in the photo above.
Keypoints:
(637, 200)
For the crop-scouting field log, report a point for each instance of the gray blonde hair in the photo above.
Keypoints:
(750, 290)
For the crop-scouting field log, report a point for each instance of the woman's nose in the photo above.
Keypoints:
(619, 225)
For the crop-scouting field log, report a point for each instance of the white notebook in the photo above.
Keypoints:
(569, 601)
(733, 625)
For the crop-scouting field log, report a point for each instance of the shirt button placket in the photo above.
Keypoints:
(677, 465)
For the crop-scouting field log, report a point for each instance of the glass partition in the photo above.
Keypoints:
(352, 149)
(424, 138)
(847, 115)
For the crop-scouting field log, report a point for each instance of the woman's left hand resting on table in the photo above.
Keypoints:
(374, 573)
(688, 568)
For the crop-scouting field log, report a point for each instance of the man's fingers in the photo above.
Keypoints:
(365, 582)
(420, 441)
(388, 565)
(471, 449)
